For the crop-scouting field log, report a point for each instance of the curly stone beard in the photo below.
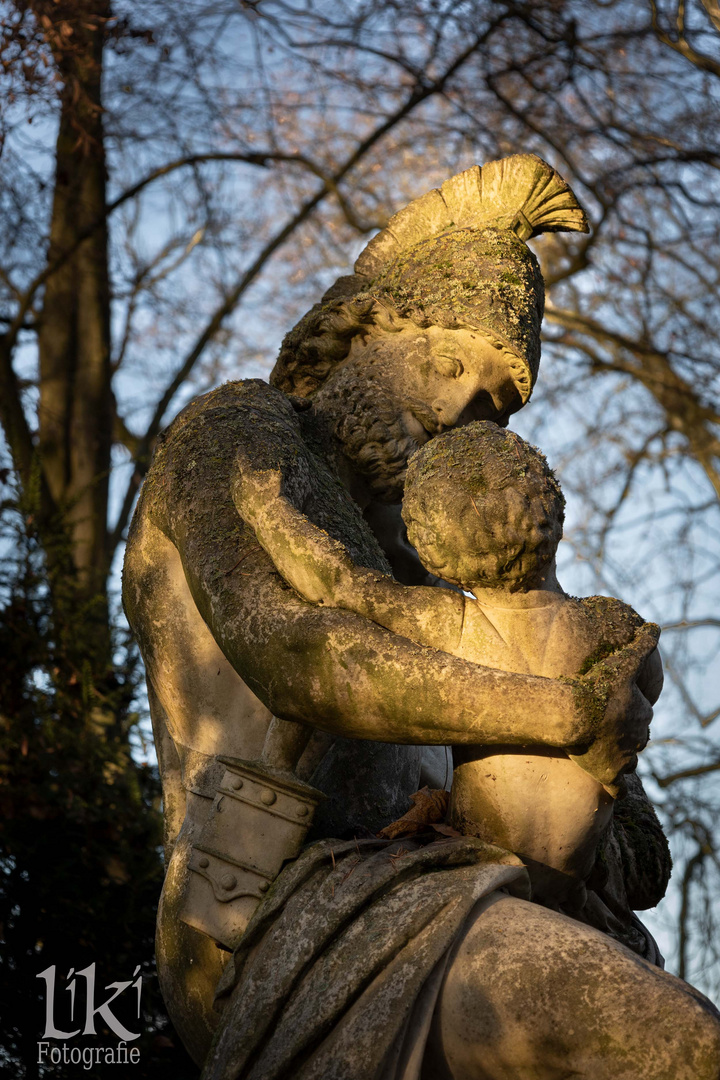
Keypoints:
(369, 426)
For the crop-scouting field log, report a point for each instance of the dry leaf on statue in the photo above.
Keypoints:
(429, 808)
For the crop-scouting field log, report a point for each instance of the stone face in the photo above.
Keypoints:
(487, 279)
(455, 258)
(343, 961)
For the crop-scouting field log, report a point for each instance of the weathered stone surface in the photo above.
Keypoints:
(564, 1000)
(486, 279)
(240, 665)
(334, 961)
(520, 193)
(551, 807)
(452, 258)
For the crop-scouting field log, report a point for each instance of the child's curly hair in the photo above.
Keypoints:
(477, 464)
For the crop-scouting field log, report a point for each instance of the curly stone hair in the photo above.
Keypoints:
(322, 339)
(475, 465)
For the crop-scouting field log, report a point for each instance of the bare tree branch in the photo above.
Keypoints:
(685, 411)
(260, 159)
(680, 43)
(14, 421)
(418, 95)
(691, 867)
(686, 774)
(692, 624)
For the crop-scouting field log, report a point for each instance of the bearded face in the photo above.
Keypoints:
(397, 390)
(376, 435)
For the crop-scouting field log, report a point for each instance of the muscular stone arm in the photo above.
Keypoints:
(331, 668)
(336, 671)
(321, 570)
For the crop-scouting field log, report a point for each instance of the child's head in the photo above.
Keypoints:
(483, 508)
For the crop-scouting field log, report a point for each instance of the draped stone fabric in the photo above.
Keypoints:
(338, 973)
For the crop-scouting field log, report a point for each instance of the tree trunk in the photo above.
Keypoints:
(75, 410)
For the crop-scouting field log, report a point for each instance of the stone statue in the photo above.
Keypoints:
(549, 806)
(367, 957)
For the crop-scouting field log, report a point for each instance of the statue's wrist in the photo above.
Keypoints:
(583, 713)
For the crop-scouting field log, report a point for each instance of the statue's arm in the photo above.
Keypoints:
(325, 667)
(321, 570)
(334, 670)
(615, 628)
(331, 668)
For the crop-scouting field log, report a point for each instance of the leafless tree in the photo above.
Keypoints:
(180, 181)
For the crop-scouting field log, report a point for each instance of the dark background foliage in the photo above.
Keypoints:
(177, 185)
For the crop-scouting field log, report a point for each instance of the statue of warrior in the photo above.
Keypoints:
(365, 957)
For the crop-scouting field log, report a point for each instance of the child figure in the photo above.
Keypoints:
(484, 512)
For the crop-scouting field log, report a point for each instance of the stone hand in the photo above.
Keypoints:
(617, 714)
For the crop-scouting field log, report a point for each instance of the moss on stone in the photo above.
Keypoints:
(603, 650)
(192, 475)
(590, 700)
(484, 278)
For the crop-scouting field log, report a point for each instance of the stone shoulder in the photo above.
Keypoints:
(593, 627)
(196, 462)
(195, 455)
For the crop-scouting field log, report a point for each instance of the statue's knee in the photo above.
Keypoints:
(530, 990)
(700, 1031)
